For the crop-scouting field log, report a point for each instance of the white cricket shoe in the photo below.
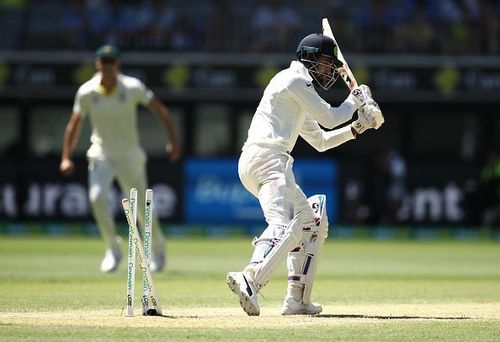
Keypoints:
(111, 259)
(158, 262)
(293, 307)
(243, 285)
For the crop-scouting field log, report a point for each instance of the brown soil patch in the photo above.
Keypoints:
(235, 318)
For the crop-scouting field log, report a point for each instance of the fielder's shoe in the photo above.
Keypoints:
(242, 284)
(158, 262)
(111, 259)
(293, 307)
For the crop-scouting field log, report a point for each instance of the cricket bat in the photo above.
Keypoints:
(345, 71)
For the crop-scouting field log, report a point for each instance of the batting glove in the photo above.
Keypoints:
(361, 95)
(361, 124)
(371, 111)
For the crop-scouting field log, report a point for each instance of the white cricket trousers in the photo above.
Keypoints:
(129, 173)
(268, 175)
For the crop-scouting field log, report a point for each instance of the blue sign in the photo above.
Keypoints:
(214, 194)
(319, 176)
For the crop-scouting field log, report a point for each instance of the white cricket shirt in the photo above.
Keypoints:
(291, 107)
(113, 116)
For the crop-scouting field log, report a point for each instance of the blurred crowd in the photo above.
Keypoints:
(366, 26)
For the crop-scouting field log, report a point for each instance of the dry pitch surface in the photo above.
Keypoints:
(270, 317)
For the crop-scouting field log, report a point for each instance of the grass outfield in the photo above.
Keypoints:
(50, 289)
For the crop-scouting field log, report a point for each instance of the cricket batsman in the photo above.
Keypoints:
(296, 226)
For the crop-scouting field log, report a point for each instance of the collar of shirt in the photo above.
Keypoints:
(99, 88)
(298, 67)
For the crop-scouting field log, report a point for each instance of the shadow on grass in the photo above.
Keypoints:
(353, 316)
(179, 316)
(391, 317)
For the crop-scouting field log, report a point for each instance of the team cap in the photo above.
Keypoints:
(107, 51)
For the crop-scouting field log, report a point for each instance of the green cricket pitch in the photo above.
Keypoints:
(51, 289)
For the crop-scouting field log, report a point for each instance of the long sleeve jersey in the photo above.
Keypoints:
(291, 107)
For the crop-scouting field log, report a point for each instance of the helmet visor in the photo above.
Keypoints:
(325, 71)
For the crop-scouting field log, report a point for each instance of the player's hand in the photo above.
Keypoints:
(174, 151)
(361, 124)
(67, 167)
(361, 95)
(370, 116)
(373, 114)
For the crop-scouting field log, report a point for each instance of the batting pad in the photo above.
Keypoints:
(303, 261)
(289, 240)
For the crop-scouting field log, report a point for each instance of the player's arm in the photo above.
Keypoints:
(71, 134)
(323, 140)
(173, 147)
(326, 115)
